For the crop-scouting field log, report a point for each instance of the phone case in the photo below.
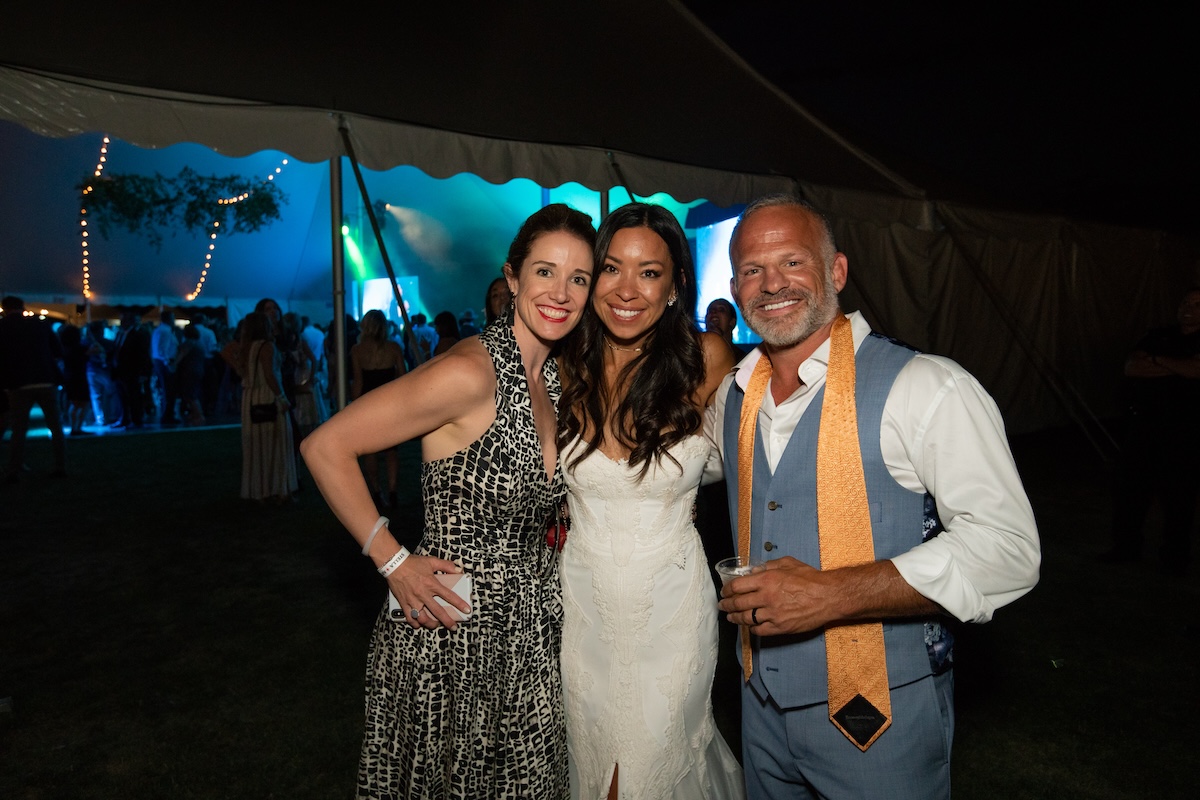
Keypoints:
(458, 582)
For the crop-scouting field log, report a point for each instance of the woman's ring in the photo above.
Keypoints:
(416, 612)
(754, 615)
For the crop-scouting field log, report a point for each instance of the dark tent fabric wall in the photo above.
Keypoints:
(608, 94)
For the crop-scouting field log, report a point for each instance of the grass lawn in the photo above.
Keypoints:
(161, 638)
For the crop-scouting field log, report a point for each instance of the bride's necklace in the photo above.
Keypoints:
(616, 349)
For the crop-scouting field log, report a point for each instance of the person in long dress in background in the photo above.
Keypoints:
(375, 360)
(268, 455)
(640, 608)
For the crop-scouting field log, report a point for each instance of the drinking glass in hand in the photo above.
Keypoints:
(733, 567)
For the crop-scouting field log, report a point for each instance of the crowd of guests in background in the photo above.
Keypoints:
(170, 367)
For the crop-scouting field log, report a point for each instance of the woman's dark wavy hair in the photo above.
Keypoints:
(657, 411)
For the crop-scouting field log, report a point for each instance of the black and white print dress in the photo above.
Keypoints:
(477, 712)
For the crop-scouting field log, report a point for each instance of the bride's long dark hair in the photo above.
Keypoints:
(658, 409)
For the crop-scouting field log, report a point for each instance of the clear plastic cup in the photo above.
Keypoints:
(733, 567)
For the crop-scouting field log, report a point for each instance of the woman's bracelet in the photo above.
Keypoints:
(394, 562)
(379, 523)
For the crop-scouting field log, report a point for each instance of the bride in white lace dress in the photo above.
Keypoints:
(640, 613)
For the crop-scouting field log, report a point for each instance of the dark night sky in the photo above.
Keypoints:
(1082, 113)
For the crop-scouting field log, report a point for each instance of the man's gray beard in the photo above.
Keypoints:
(786, 332)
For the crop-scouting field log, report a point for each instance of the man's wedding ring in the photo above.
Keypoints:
(754, 615)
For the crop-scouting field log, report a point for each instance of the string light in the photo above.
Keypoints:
(85, 245)
(212, 236)
(83, 231)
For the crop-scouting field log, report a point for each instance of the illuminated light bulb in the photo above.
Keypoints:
(85, 261)
(224, 201)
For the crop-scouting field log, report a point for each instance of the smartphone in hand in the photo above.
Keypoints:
(458, 582)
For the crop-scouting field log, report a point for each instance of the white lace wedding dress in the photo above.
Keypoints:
(640, 634)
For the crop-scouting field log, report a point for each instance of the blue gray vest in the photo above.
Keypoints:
(784, 523)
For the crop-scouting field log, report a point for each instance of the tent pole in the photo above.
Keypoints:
(339, 281)
(417, 353)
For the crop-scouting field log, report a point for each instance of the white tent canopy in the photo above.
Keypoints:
(59, 106)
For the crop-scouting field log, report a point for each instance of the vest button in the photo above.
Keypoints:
(768, 547)
(772, 505)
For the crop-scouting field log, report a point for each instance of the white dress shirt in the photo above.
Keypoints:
(316, 342)
(943, 434)
(163, 343)
(208, 340)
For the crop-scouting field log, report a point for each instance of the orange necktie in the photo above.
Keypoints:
(859, 699)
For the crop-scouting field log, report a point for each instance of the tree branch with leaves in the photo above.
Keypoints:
(150, 205)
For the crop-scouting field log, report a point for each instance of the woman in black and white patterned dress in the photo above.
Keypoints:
(470, 709)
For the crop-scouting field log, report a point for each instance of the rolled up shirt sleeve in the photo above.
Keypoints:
(944, 434)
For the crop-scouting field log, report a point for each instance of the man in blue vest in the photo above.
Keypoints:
(949, 530)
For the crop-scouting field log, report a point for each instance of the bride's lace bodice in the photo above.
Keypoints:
(616, 513)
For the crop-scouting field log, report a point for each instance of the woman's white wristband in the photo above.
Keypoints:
(394, 562)
(379, 523)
